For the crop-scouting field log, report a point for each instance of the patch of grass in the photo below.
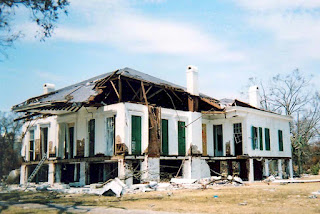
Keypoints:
(260, 198)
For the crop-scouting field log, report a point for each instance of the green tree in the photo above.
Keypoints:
(45, 13)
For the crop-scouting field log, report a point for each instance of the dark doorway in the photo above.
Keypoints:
(71, 141)
(243, 170)
(258, 170)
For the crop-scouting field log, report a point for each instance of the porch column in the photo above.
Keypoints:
(280, 168)
(251, 170)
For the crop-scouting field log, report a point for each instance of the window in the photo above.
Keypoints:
(280, 137)
(165, 137)
(260, 138)
(267, 138)
(31, 145)
(218, 140)
(109, 136)
(254, 137)
(43, 140)
(237, 138)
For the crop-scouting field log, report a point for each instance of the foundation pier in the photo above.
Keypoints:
(290, 168)
(154, 169)
(23, 174)
(83, 174)
(280, 168)
(266, 168)
(251, 170)
(51, 173)
(58, 173)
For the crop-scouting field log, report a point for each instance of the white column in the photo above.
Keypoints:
(280, 168)
(23, 174)
(290, 168)
(266, 167)
(251, 170)
(51, 173)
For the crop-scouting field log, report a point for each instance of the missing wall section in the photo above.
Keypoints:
(41, 176)
(102, 172)
(169, 169)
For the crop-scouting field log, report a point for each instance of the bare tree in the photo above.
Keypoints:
(293, 95)
(10, 144)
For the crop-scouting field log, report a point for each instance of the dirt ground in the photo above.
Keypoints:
(254, 198)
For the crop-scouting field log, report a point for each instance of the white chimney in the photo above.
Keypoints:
(48, 87)
(192, 80)
(254, 97)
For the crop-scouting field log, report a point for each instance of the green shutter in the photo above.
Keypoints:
(253, 138)
(91, 130)
(181, 138)
(260, 138)
(267, 138)
(280, 140)
(136, 135)
(165, 146)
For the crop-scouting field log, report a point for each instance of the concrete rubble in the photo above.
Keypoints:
(115, 187)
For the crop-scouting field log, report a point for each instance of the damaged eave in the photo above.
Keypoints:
(232, 109)
(210, 102)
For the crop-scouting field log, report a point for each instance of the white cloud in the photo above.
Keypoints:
(294, 25)
(126, 29)
(278, 4)
(50, 77)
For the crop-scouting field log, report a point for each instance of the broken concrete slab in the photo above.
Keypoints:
(115, 187)
(182, 181)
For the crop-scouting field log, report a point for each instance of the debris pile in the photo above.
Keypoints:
(115, 187)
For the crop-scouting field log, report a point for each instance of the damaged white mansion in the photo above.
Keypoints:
(139, 128)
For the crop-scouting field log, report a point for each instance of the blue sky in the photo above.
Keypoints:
(228, 40)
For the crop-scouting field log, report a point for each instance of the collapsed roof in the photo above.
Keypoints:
(123, 85)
